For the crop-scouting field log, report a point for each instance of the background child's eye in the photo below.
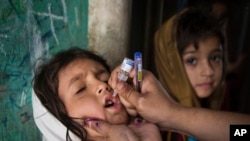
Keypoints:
(191, 61)
(216, 58)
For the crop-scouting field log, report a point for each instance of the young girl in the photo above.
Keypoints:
(190, 58)
(73, 88)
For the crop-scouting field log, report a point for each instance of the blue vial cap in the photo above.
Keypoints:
(137, 55)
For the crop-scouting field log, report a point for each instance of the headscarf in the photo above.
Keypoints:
(171, 71)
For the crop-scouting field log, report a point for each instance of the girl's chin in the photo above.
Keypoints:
(204, 94)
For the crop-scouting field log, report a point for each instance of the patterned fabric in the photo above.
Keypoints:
(172, 136)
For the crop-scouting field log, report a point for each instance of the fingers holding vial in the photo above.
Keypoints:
(122, 74)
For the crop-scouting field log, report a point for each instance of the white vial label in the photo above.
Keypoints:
(127, 65)
(122, 76)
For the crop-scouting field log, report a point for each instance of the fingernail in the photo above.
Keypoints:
(138, 121)
(91, 122)
(97, 124)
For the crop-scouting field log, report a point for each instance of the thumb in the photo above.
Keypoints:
(128, 93)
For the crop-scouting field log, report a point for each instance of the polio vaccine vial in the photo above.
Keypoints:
(126, 67)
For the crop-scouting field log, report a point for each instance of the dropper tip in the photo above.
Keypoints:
(114, 94)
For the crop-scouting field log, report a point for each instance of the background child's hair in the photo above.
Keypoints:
(194, 25)
(46, 85)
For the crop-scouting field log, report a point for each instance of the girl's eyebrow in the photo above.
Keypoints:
(75, 78)
(218, 50)
(194, 51)
(188, 52)
(80, 75)
(101, 71)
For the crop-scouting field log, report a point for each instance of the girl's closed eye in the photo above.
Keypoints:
(80, 90)
(106, 81)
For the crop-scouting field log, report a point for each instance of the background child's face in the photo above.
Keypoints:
(84, 90)
(204, 66)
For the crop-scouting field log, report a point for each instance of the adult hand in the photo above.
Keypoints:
(139, 130)
(111, 132)
(153, 103)
(145, 131)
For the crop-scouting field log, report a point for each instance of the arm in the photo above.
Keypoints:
(204, 124)
(155, 105)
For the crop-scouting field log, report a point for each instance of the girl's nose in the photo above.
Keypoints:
(207, 69)
(102, 88)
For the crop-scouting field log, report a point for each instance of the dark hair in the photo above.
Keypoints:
(46, 86)
(194, 25)
(207, 4)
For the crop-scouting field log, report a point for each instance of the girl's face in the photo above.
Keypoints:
(84, 90)
(204, 66)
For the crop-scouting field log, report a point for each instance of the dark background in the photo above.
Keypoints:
(148, 15)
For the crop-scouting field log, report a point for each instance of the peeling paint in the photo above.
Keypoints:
(31, 31)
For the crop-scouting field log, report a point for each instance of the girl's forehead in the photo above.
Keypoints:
(79, 69)
(82, 64)
(82, 61)
(208, 44)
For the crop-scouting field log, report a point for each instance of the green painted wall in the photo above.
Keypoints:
(29, 30)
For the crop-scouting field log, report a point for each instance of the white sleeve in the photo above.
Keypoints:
(50, 127)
